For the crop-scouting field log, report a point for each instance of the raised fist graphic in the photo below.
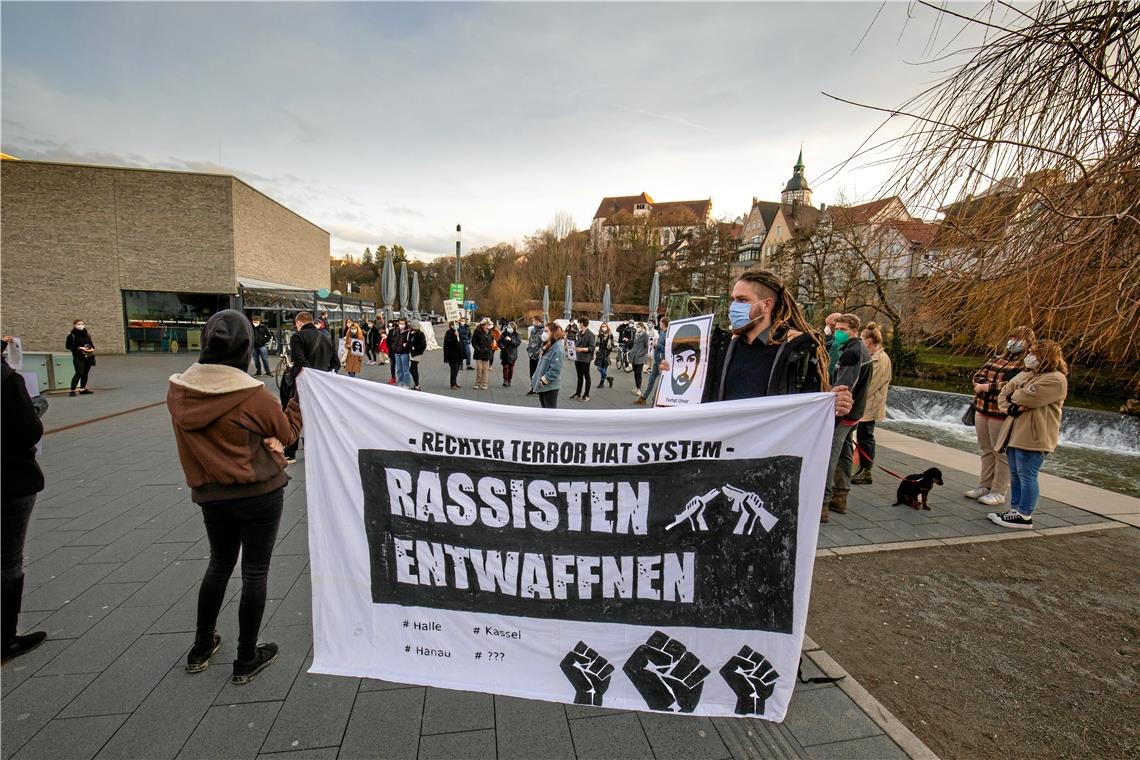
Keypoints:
(752, 678)
(588, 672)
(668, 676)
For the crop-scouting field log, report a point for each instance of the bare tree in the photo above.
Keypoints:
(1030, 148)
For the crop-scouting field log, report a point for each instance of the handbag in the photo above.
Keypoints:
(970, 415)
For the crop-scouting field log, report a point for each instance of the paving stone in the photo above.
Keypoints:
(177, 704)
(314, 714)
(39, 545)
(528, 728)
(471, 745)
(71, 738)
(295, 542)
(374, 684)
(385, 724)
(21, 669)
(127, 547)
(283, 574)
(877, 536)
(174, 581)
(182, 616)
(95, 650)
(610, 736)
(231, 731)
(78, 616)
(190, 529)
(870, 748)
(837, 535)
(66, 586)
(809, 670)
(297, 606)
(826, 716)
(126, 683)
(752, 738)
(577, 712)
(320, 753)
(680, 737)
(28, 708)
(448, 710)
(52, 564)
(147, 564)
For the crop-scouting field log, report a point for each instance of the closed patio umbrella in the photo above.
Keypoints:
(415, 295)
(404, 294)
(545, 304)
(654, 297)
(568, 300)
(607, 306)
(388, 286)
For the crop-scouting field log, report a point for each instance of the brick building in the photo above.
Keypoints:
(143, 256)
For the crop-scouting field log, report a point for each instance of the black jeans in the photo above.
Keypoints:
(82, 370)
(414, 366)
(583, 370)
(637, 375)
(454, 367)
(13, 530)
(508, 372)
(548, 399)
(865, 434)
(248, 525)
(533, 367)
(392, 363)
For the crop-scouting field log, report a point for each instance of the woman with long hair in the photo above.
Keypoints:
(546, 379)
(1032, 402)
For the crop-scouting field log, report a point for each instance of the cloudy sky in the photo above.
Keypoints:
(390, 123)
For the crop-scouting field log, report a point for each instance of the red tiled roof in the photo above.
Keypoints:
(861, 213)
(619, 208)
(611, 205)
(921, 233)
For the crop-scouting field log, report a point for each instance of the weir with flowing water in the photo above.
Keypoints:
(1098, 448)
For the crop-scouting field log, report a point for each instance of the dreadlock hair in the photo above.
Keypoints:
(786, 315)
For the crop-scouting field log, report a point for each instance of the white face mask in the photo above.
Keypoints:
(827, 330)
(1014, 346)
(81, 326)
(1031, 362)
(545, 335)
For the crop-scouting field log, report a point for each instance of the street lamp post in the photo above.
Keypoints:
(458, 231)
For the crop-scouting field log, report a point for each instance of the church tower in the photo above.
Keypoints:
(797, 188)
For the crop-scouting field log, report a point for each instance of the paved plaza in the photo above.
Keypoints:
(116, 551)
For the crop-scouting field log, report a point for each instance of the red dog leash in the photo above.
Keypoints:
(884, 469)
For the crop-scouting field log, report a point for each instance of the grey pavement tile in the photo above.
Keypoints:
(314, 714)
(71, 738)
(680, 737)
(870, 748)
(95, 650)
(200, 549)
(471, 745)
(297, 606)
(295, 542)
(18, 670)
(878, 536)
(385, 724)
(446, 710)
(147, 563)
(753, 738)
(528, 728)
(375, 684)
(826, 716)
(79, 615)
(112, 530)
(190, 529)
(124, 685)
(810, 670)
(1084, 519)
(172, 582)
(40, 544)
(852, 521)
(577, 712)
(1046, 520)
(231, 731)
(273, 683)
(126, 547)
(823, 542)
(66, 586)
(283, 574)
(182, 616)
(52, 564)
(837, 535)
(610, 736)
(28, 708)
(320, 753)
(177, 704)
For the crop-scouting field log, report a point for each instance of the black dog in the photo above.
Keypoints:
(913, 489)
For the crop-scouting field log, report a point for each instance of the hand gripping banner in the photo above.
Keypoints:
(645, 559)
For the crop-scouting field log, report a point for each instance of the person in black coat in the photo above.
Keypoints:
(393, 337)
(509, 342)
(417, 343)
(82, 356)
(453, 353)
(309, 348)
(261, 337)
(20, 431)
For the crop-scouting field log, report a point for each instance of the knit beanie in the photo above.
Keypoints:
(227, 339)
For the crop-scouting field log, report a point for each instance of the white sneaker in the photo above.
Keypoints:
(636, 391)
(977, 493)
(992, 499)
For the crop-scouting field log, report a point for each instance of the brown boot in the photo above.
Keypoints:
(824, 516)
(839, 503)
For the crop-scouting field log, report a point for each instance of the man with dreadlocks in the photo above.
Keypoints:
(771, 351)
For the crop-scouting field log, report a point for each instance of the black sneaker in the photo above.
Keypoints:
(245, 671)
(23, 644)
(199, 657)
(1011, 519)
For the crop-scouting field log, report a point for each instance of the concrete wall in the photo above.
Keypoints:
(74, 237)
(273, 243)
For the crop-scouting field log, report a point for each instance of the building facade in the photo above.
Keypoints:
(142, 256)
(769, 224)
(660, 224)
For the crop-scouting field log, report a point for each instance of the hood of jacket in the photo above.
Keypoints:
(205, 392)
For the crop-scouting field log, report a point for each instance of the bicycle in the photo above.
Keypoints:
(622, 361)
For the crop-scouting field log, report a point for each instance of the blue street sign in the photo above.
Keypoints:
(470, 306)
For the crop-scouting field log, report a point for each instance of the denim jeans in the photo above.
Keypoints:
(1023, 489)
(404, 369)
(467, 353)
(248, 525)
(654, 373)
(261, 359)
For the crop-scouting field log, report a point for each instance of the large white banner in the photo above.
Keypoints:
(645, 559)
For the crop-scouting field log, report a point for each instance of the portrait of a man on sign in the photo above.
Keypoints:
(686, 352)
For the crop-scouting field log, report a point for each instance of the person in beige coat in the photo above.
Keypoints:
(1032, 402)
(876, 410)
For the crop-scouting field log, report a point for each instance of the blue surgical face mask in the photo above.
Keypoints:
(738, 314)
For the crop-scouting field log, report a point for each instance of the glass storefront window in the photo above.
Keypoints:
(168, 322)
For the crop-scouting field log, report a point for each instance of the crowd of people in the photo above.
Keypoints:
(235, 440)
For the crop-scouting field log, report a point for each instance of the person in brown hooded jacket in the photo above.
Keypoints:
(231, 432)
